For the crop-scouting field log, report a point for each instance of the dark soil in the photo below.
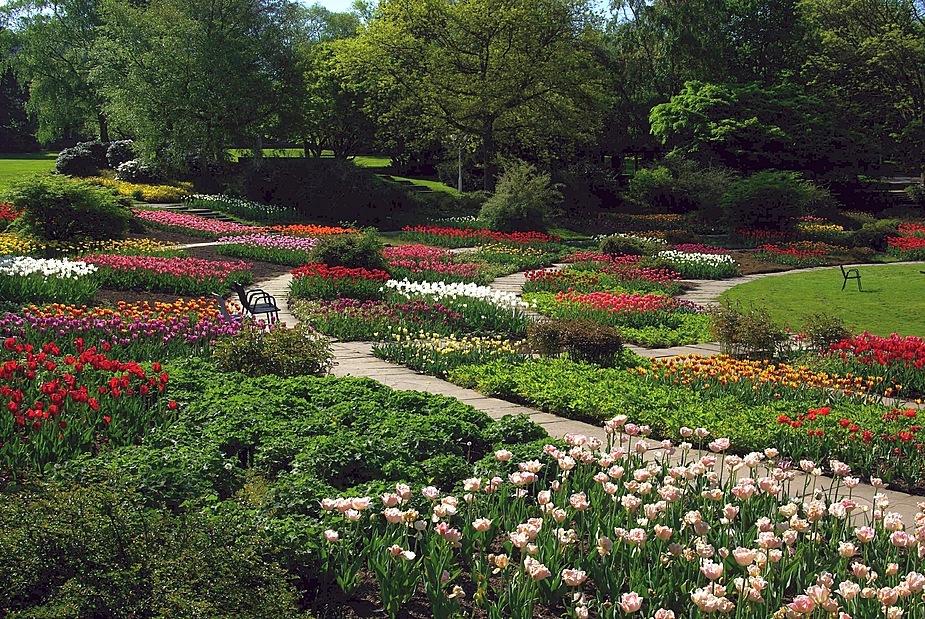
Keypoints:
(749, 265)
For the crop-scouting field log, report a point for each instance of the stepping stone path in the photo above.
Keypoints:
(356, 359)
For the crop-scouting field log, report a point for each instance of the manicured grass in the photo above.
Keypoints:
(15, 166)
(892, 299)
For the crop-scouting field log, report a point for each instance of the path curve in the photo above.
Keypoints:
(356, 359)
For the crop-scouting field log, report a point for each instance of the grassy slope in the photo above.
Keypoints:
(15, 166)
(892, 299)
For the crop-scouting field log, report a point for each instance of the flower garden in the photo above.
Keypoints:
(717, 486)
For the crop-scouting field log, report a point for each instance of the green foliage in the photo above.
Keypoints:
(522, 201)
(874, 234)
(57, 208)
(620, 244)
(329, 190)
(281, 351)
(354, 251)
(822, 330)
(679, 186)
(514, 430)
(583, 340)
(86, 552)
(750, 333)
(770, 200)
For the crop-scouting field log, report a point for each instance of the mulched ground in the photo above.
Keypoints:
(260, 270)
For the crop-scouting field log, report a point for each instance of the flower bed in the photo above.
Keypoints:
(482, 308)
(8, 212)
(421, 262)
(287, 250)
(172, 275)
(610, 530)
(56, 406)
(907, 247)
(523, 257)
(311, 230)
(140, 331)
(700, 266)
(15, 245)
(145, 192)
(438, 356)
(372, 320)
(631, 279)
(467, 237)
(26, 280)
(193, 224)
(897, 360)
(793, 254)
(320, 281)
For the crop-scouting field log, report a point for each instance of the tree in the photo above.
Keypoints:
(16, 129)
(872, 56)
(497, 70)
(749, 127)
(54, 59)
(194, 78)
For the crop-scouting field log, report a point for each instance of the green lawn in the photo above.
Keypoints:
(15, 166)
(892, 299)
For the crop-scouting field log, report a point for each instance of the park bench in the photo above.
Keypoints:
(257, 302)
(223, 307)
(847, 274)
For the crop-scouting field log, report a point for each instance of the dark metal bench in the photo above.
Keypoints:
(847, 274)
(223, 308)
(257, 302)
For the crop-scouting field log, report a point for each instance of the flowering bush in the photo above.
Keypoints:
(140, 331)
(58, 405)
(438, 355)
(700, 266)
(320, 281)
(172, 275)
(611, 529)
(467, 237)
(482, 308)
(268, 248)
(36, 280)
(193, 224)
(371, 320)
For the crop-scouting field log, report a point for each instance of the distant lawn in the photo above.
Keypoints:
(892, 298)
(15, 166)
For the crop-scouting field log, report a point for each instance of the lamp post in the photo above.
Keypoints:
(459, 141)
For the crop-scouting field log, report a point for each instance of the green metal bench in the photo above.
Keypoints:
(847, 274)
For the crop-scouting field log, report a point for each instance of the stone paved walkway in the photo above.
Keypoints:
(356, 359)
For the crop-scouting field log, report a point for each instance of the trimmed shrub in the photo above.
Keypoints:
(874, 234)
(282, 351)
(119, 152)
(771, 200)
(353, 251)
(523, 199)
(583, 340)
(84, 159)
(57, 208)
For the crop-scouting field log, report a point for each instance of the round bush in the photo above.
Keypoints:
(771, 200)
(522, 200)
(353, 251)
(77, 161)
(119, 152)
(58, 208)
(135, 171)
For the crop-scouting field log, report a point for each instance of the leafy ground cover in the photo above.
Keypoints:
(892, 298)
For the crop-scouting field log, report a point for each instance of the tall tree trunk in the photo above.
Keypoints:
(104, 127)
(489, 149)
